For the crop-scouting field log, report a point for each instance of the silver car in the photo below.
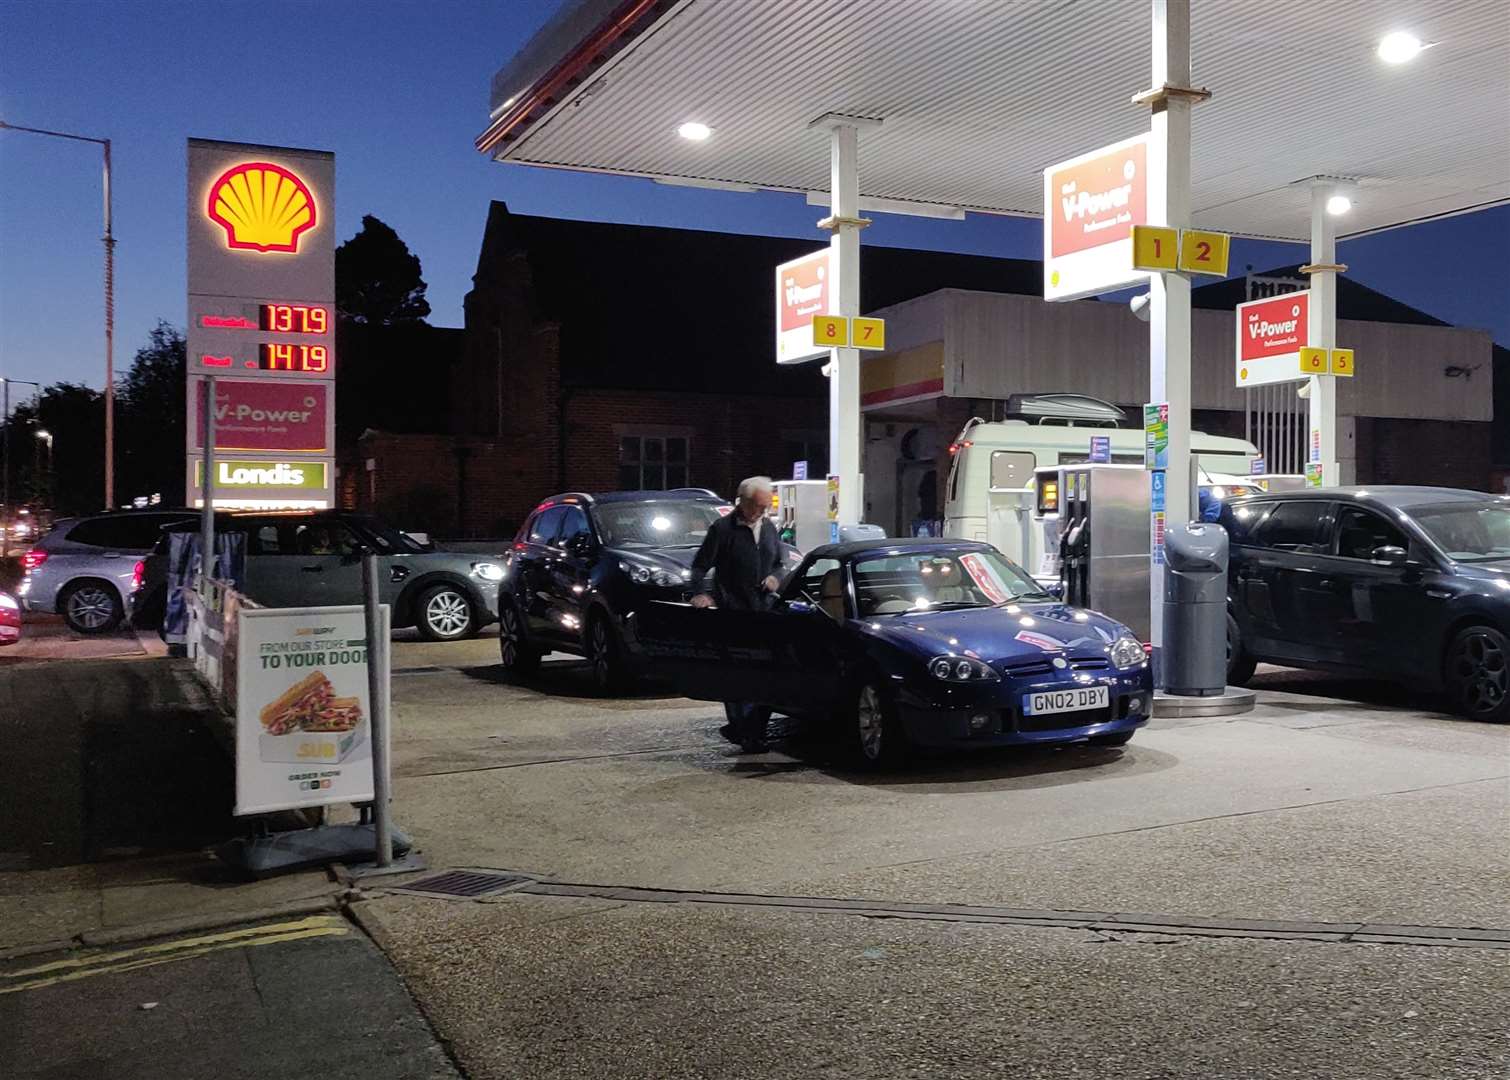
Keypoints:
(85, 568)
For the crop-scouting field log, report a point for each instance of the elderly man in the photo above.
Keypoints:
(743, 551)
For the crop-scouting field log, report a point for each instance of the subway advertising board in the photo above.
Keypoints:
(261, 262)
(303, 708)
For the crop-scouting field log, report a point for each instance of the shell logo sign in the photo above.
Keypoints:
(262, 207)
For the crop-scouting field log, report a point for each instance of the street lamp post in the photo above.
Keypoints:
(109, 240)
(43, 435)
(8, 517)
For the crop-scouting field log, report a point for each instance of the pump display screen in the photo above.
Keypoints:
(1048, 495)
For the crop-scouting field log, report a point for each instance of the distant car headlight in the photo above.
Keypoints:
(488, 571)
(961, 669)
(1127, 652)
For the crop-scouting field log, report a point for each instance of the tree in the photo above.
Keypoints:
(378, 278)
(150, 418)
(74, 416)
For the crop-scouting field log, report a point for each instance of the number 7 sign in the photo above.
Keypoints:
(868, 333)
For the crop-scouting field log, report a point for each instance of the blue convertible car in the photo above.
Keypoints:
(942, 643)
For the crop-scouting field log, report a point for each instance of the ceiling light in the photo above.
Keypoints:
(1338, 204)
(694, 131)
(1399, 47)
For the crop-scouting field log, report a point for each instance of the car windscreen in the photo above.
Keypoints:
(657, 524)
(934, 580)
(1468, 531)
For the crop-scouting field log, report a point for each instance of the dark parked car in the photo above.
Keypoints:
(314, 559)
(582, 564)
(1403, 583)
(942, 643)
(84, 568)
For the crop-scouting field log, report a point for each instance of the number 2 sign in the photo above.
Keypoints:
(1204, 252)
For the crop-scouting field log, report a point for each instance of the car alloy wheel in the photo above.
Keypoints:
(1477, 668)
(90, 608)
(448, 614)
(870, 724)
(508, 637)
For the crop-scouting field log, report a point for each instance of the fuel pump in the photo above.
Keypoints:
(1103, 541)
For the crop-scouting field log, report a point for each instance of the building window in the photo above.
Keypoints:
(653, 462)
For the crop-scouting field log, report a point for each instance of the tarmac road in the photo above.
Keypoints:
(1305, 819)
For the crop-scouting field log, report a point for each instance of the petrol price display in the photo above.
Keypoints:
(295, 318)
(282, 356)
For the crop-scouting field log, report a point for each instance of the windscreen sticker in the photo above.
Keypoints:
(984, 576)
(1043, 641)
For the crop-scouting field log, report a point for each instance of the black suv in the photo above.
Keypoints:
(581, 564)
(1403, 583)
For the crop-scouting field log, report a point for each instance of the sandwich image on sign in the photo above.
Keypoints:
(308, 723)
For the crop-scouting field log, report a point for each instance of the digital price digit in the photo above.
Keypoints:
(283, 356)
(295, 318)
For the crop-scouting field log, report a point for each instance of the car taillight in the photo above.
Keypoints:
(136, 574)
(33, 559)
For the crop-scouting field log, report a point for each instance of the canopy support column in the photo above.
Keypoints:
(1321, 332)
(845, 431)
(1169, 294)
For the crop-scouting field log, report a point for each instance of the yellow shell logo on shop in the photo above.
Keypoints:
(262, 207)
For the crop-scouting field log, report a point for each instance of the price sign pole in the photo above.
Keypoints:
(377, 691)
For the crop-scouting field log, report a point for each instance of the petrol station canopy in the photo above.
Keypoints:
(976, 97)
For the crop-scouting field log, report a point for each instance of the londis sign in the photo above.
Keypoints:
(1270, 335)
(264, 474)
(1090, 205)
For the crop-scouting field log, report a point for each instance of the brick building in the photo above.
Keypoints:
(598, 356)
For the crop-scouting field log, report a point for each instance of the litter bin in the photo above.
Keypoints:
(1195, 610)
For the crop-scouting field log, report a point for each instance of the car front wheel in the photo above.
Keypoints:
(876, 736)
(517, 657)
(1478, 673)
(606, 654)
(1240, 666)
(445, 614)
(91, 607)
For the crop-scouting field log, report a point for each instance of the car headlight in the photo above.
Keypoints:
(651, 575)
(961, 669)
(1127, 652)
(487, 571)
(8, 603)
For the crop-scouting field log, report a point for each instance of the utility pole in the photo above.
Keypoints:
(109, 239)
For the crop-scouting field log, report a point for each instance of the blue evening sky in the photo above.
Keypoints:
(398, 90)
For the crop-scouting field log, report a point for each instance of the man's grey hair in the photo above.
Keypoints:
(749, 486)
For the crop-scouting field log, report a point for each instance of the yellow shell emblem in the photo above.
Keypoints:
(262, 207)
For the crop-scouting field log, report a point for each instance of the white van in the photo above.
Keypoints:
(991, 494)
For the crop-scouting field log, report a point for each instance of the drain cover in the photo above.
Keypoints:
(467, 884)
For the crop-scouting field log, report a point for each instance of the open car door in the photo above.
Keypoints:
(782, 658)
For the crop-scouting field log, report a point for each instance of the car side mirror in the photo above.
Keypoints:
(1056, 590)
(1389, 555)
(581, 545)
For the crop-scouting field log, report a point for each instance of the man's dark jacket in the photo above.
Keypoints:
(739, 564)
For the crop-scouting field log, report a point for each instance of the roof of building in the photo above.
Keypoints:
(680, 309)
(647, 307)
